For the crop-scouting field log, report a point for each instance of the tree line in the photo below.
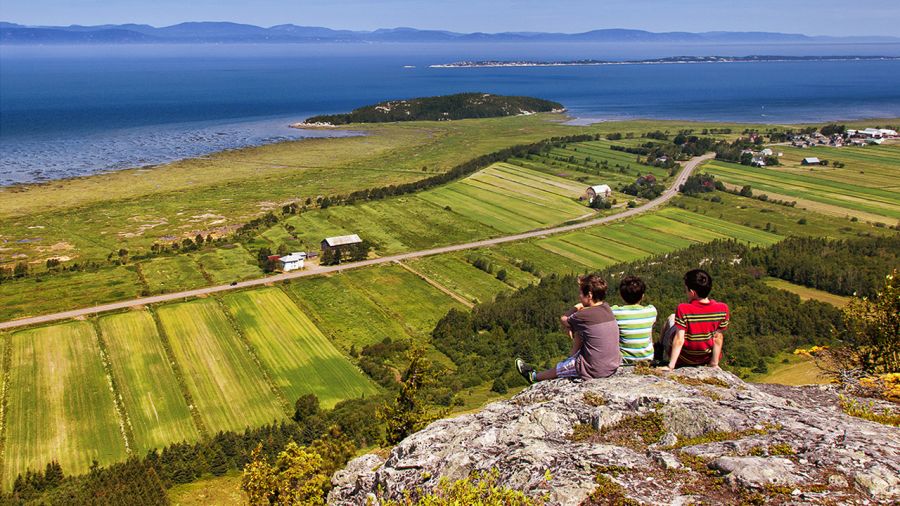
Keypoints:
(844, 267)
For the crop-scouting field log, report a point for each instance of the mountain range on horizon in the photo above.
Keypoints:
(228, 32)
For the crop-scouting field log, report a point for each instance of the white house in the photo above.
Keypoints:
(601, 190)
(811, 161)
(292, 262)
(767, 152)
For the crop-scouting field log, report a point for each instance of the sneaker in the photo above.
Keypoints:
(526, 371)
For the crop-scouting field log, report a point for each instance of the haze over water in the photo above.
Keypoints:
(67, 111)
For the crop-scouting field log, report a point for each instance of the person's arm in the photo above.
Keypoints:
(576, 343)
(717, 350)
(677, 343)
(719, 339)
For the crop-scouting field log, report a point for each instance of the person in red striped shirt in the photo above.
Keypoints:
(693, 336)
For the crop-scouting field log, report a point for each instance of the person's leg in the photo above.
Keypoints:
(549, 374)
(665, 339)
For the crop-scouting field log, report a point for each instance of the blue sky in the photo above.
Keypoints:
(812, 17)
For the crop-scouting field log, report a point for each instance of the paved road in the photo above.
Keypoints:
(313, 271)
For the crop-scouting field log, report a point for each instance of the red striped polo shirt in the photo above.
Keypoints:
(700, 322)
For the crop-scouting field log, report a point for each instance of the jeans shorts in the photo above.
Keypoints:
(566, 368)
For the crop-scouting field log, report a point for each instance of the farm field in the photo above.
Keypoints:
(784, 220)
(393, 225)
(59, 292)
(872, 166)
(145, 380)
(808, 185)
(59, 404)
(515, 276)
(459, 276)
(227, 264)
(171, 274)
(807, 293)
(228, 387)
(301, 360)
(545, 261)
(741, 233)
(360, 323)
(403, 295)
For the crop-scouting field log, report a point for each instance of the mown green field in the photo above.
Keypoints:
(460, 277)
(171, 274)
(33, 296)
(544, 260)
(301, 360)
(59, 404)
(146, 381)
(848, 193)
(346, 315)
(228, 387)
(403, 295)
(227, 264)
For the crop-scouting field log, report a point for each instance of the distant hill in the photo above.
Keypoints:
(448, 107)
(224, 32)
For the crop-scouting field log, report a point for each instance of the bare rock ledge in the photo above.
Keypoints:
(724, 441)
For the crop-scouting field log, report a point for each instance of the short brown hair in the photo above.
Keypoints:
(593, 285)
(632, 289)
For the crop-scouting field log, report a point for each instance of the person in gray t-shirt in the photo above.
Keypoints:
(595, 338)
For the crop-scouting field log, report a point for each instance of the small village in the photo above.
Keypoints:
(863, 137)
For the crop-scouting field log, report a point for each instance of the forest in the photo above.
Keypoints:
(848, 267)
(441, 108)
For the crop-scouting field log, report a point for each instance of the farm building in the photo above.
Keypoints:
(811, 161)
(767, 152)
(340, 243)
(601, 190)
(291, 262)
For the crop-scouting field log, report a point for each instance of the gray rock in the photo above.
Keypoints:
(837, 481)
(527, 436)
(879, 482)
(756, 472)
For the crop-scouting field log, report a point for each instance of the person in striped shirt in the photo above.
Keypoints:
(635, 322)
(693, 336)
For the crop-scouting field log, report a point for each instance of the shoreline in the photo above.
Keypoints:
(358, 129)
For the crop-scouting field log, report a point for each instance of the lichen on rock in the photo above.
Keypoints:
(744, 443)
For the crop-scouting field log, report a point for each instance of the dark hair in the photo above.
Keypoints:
(632, 289)
(593, 285)
(699, 281)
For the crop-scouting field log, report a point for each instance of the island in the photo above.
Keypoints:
(440, 108)
(657, 61)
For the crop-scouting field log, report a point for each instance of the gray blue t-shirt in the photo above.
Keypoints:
(599, 356)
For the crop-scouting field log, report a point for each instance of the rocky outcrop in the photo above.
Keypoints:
(695, 435)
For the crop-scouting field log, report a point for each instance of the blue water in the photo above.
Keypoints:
(68, 111)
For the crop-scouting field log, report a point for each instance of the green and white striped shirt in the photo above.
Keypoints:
(635, 331)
